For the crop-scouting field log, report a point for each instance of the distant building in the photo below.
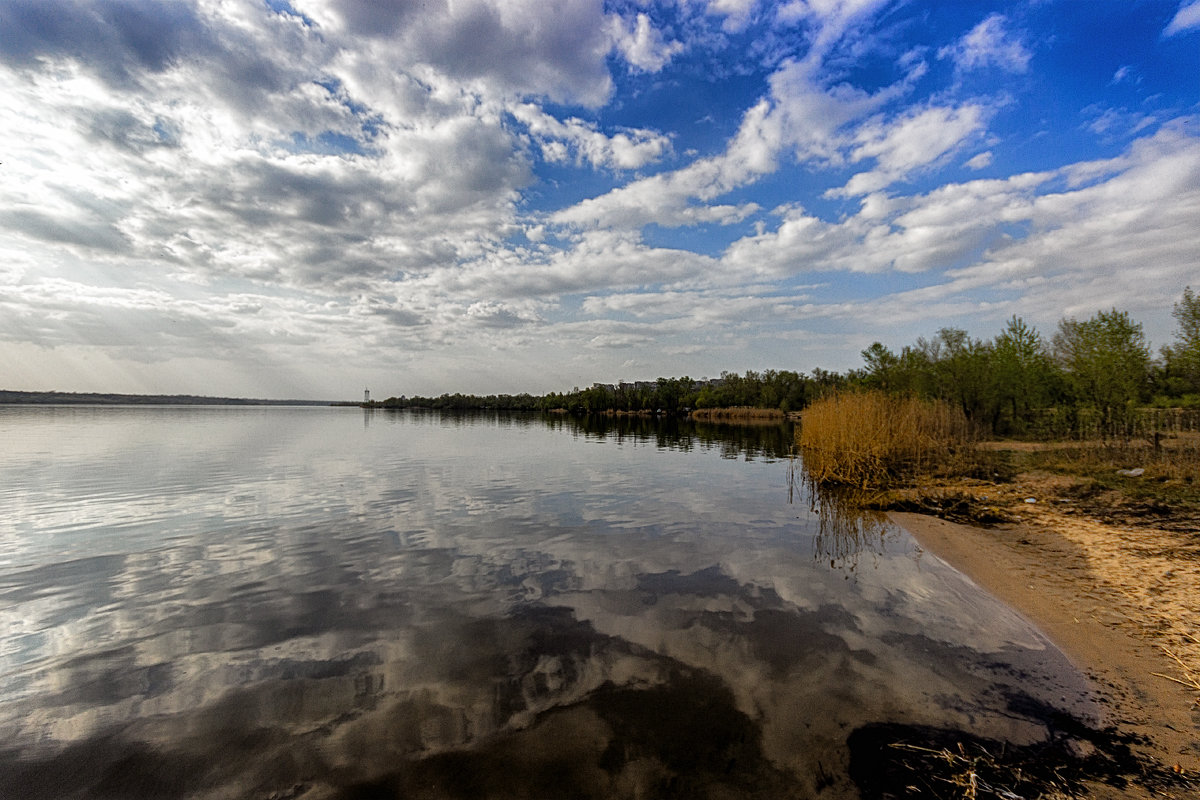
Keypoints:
(366, 395)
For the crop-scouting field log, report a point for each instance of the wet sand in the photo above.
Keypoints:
(1122, 601)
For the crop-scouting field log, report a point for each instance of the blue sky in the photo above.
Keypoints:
(300, 199)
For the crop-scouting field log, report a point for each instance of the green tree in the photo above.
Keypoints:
(671, 394)
(1024, 376)
(792, 390)
(963, 371)
(1183, 357)
(1107, 363)
(915, 374)
(822, 382)
(880, 366)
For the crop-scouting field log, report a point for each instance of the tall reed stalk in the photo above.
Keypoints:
(870, 439)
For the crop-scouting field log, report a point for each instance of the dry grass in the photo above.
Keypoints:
(1176, 462)
(869, 439)
(1188, 677)
(738, 414)
(1075, 760)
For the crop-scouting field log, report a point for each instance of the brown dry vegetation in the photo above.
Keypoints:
(872, 440)
(918, 455)
(739, 414)
(1114, 549)
(1132, 484)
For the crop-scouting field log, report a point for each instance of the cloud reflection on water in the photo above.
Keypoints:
(413, 610)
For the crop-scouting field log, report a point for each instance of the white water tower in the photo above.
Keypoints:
(366, 395)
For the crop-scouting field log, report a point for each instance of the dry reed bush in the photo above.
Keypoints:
(738, 414)
(870, 439)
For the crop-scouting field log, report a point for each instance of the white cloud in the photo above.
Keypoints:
(124, 320)
(267, 175)
(1125, 74)
(664, 199)
(1117, 122)
(1103, 228)
(828, 21)
(737, 13)
(698, 309)
(518, 46)
(989, 44)
(598, 259)
(627, 149)
(1186, 18)
(642, 44)
(225, 184)
(979, 160)
(902, 146)
(798, 116)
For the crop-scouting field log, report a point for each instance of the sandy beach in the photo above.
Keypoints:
(1118, 593)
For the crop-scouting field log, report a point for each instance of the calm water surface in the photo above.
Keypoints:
(332, 603)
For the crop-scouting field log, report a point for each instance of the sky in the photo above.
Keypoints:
(305, 198)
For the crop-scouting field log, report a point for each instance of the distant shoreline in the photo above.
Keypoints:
(100, 398)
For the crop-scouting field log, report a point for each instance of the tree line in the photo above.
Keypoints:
(1095, 372)
(782, 389)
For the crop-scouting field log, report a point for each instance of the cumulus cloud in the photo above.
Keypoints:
(522, 46)
(288, 173)
(276, 183)
(120, 41)
(801, 118)
(697, 309)
(199, 147)
(597, 259)
(1097, 226)
(665, 200)
(989, 44)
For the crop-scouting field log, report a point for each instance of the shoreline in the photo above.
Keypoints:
(1056, 576)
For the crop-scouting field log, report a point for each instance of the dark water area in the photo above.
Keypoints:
(338, 603)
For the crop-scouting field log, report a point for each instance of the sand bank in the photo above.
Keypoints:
(1123, 602)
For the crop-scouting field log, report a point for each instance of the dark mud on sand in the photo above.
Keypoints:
(891, 761)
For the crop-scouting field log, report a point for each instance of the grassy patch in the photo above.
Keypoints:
(1168, 475)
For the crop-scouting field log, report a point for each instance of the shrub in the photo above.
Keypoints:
(870, 439)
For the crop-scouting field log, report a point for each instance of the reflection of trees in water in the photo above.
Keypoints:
(750, 440)
(845, 530)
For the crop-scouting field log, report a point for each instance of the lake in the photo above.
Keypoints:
(248, 602)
